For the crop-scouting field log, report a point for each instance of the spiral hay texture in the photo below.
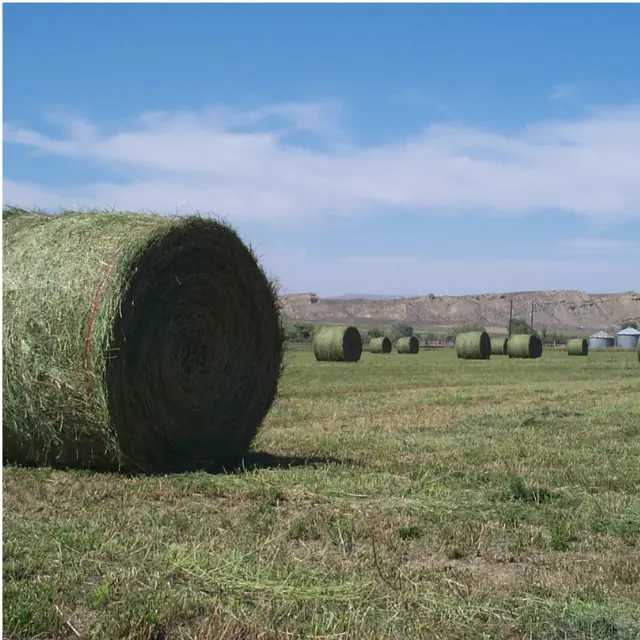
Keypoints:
(524, 346)
(578, 347)
(499, 346)
(134, 342)
(473, 345)
(380, 345)
(408, 345)
(337, 344)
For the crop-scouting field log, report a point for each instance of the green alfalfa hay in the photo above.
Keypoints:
(473, 345)
(380, 345)
(499, 346)
(134, 342)
(524, 346)
(337, 344)
(408, 344)
(578, 347)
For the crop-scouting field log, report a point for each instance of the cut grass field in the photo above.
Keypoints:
(422, 497)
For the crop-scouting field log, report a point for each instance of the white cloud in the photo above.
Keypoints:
(246, 165)
(597, 246)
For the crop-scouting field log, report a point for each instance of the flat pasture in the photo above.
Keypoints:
(401, 496)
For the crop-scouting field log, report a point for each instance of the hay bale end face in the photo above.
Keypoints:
(409, 345)
(524, 346)
(337, 344)
(134, 342)
(473, 345)
(578, 347)
(499, 346)
(380, 345)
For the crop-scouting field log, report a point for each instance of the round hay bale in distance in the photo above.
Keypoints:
(524, 346)
(134, 342)
(380, 345)
(473, 345)
(499, 346)
(408, 344)
(578, 347)
(337, 344)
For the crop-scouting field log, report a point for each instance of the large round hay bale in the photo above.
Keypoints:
(499, 346)
(578, 347)
(473, 345)
(380, 345)
(524, 346)
(134, 342)
(408, 344)
(337, 344)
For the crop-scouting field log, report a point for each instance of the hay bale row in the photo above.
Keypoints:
(499, 346)
(134, 342)
(337, 344)
(380, 345)
(473, 345)
(578, 347)
(524, 346)
(408, 345)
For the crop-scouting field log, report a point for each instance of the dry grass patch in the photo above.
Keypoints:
(425, 496)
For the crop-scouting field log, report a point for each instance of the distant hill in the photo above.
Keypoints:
(561, 310)
(363, 296)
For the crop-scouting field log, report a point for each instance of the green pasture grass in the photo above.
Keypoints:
(424, 497)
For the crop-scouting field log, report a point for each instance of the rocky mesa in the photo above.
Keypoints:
(559, 310)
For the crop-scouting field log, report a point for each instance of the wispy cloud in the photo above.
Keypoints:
(247, 165)
(596, 246)
(419, 99)
(566, 91)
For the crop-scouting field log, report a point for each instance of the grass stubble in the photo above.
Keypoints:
(459, 499)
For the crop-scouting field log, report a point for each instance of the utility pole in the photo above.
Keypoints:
(510, 317)
(531, 323)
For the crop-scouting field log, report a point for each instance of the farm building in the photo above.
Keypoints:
(628, 338)
(601, 340)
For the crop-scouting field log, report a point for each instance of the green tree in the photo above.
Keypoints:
(464, 328)
(519, 325)
(555, 337)
(299, 332)
(375, 332)
(400, 330)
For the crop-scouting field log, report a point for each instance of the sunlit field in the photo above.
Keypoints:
(404, 496)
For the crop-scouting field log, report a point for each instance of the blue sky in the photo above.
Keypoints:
(397, 149)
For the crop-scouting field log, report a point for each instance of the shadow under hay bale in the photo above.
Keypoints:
(409, 345)
(578, 347)
(473, 345)
(134, 342)
(524, 346)
(499, 346)
(380, 345)
(337, 344)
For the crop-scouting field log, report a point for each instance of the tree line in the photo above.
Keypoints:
(302, 333)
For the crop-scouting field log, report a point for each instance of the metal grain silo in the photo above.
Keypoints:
(601, 340)
(628, 338)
